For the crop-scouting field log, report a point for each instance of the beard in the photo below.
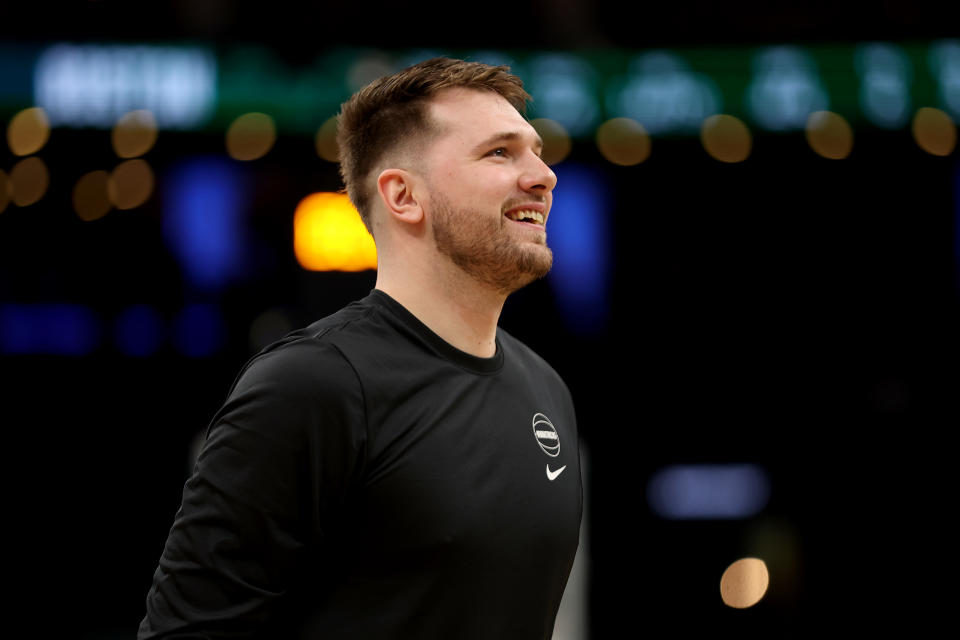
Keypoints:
(483, 248)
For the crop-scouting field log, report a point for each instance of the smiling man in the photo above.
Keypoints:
(403, 468)
(484, 245)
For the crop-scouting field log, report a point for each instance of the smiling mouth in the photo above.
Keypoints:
(526, 215)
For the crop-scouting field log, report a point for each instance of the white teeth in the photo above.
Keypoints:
(527, 214)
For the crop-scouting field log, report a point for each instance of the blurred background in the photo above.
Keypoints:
(754, 299)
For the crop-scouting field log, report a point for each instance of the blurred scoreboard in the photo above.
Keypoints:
(668, 91)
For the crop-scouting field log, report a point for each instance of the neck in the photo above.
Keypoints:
(454, 306)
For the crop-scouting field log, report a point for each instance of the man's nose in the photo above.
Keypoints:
(537, 176)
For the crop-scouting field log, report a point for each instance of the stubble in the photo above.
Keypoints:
(484, 249)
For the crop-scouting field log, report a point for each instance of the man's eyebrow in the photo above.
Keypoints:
(507, 136)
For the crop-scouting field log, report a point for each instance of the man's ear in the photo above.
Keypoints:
(396, 192)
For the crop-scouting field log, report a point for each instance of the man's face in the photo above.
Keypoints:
(490, 193)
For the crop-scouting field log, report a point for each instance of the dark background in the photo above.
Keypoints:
(791, 311)
(298, 28)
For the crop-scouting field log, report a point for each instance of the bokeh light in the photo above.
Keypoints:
(326, 140)
(885, 73)
(664, 94)
(205, 205)
(90, 198)
(829, 135)
(29, 180)
(566, 89)
(744, 583)
(251, 136)
(580, 231)
(134, 134)
(49, 328)
(934, 131)
(726, 138)
(130, 184)
(556, 140)
(28, 131)
(785, 88)
(623, 141)
(328, 235)
(708, 491)
(94, 84)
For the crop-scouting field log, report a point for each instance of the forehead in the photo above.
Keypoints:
(467, 117)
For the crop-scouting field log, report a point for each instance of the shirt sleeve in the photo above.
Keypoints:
(278, 463)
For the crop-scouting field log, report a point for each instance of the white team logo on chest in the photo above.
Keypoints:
(546, 435)
(549, 440)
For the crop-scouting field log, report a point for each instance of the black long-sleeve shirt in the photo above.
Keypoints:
(365, 479)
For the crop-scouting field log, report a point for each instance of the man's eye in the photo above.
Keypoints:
(499, 152)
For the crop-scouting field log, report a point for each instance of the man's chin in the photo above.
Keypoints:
(535, 263)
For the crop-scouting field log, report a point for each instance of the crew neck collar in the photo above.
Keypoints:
(443, 348)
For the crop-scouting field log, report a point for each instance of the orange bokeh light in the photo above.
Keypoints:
(328, 235)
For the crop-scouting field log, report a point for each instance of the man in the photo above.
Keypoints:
(403, 468)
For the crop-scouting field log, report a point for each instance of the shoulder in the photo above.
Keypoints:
(518, 353)
(297, 368)
(310, 359)
(303, 385)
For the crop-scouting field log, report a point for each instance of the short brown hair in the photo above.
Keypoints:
(392, 110)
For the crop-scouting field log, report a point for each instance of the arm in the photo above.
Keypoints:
(279, 458)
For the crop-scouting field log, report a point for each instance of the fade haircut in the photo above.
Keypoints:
(393, 111)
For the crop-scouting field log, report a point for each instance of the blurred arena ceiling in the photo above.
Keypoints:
(298, 29)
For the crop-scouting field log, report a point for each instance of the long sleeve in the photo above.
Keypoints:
(275, 471)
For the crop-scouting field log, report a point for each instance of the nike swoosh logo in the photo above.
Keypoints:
(552, 475)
